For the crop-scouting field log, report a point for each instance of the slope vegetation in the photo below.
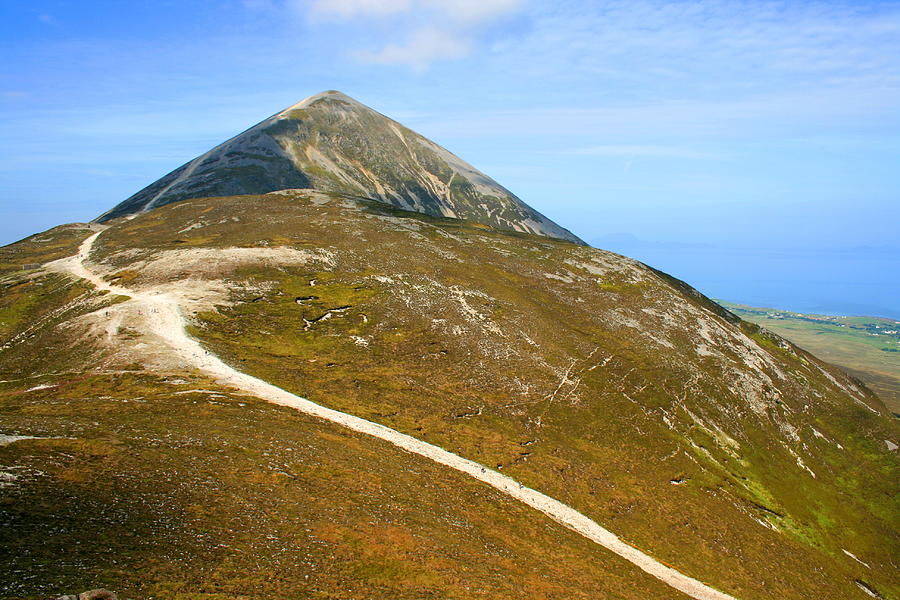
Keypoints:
(169, 324)
(709, 444)
(123, 466)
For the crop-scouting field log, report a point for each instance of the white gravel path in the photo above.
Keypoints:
(168, 323)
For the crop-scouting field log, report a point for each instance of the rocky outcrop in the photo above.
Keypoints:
(98, 594)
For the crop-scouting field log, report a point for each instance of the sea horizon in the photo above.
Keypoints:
(835, 281)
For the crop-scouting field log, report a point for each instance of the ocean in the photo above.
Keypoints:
(843, 281)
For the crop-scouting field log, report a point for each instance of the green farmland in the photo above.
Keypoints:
(867, 347)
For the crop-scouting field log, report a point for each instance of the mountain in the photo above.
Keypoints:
(332, 143)
(312, 394)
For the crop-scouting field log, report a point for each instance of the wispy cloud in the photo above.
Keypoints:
(413, 33)
(423, 47)
(460, 11)
(352, 9)
(705, 46)
(552, 97)
(685, 125)
(476, 11)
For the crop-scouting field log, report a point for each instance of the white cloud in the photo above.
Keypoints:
(351, 9)
(713, 44)
(476, 11)
(441, 29)
(423, 47)
(461, 11)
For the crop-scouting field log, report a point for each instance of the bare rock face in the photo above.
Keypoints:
(332, 143)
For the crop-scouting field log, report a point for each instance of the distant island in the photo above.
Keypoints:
(866, 347)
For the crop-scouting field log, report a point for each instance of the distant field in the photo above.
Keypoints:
(867, 347)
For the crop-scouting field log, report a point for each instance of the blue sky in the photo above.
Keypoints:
(645, 126)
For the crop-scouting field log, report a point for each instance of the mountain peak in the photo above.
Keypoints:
(326, 95)
(333, 143)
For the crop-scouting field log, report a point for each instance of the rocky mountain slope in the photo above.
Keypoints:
(330, 142)
(375, 402)
(866, 347)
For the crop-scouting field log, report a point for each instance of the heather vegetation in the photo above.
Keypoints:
(168, 486)
(708, 443)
